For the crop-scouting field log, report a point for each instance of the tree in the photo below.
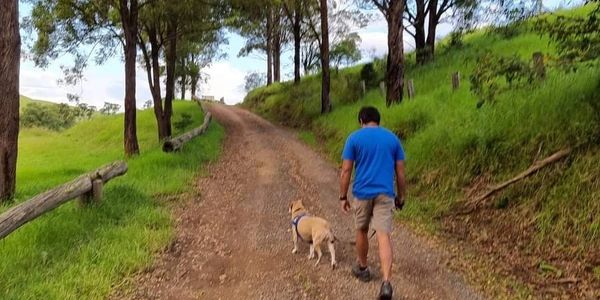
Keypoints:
(68, 25)
(294, 12)
(169, 32)
(109, 108)
(325, 78)
(420, 12)
(347, 51)
(10, 56)
(393, 10)
(254, 80)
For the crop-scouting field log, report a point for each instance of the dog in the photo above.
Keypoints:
(313, 230)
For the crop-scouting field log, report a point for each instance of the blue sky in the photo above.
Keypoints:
(105, 83)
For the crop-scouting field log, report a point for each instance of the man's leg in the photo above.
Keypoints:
(385, 254)
(362, 246)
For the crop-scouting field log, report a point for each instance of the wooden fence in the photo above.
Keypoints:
(87, 187)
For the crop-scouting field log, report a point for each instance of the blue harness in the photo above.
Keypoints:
(295, 223)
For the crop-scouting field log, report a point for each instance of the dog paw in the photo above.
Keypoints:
(294, 250)
(333, 265)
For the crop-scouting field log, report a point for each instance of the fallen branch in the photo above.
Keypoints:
(178, 142)
(530, 171)
(17, 216)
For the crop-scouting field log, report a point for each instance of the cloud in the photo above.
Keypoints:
(100, 84)
(225, 80)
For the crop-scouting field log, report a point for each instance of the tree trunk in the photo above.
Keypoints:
(433, 22)
(297, 39)
(193, 85)
(277, 31)
(325, 103)
(129, 16)
(269, 48)
(153, 72)
(171, 62)
(395, 62)
(10, 57)
(420, 38)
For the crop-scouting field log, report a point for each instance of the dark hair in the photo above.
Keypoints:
(369, 114)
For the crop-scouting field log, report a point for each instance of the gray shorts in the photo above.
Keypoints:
(379, 211)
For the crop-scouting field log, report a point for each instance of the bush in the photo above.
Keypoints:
(54, 117)
(184, 122)
(485, 83)
(369, 76)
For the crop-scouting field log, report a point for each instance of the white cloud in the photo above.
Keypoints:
(225, 80)
(101, 84)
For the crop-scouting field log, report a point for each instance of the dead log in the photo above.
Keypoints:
(178, 142)
(47, 201)
(531, 170)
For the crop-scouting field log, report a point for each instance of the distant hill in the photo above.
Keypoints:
(24, 100)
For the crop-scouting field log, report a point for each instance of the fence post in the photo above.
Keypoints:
(411, 88)
(538, 65)
(455, 80)
(382, 87)
(363, 86)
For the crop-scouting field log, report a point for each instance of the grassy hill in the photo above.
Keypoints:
(82, 253)
(540, 230)
(24, 101)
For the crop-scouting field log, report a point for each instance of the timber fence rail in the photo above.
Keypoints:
(88, 188)
(175, 144)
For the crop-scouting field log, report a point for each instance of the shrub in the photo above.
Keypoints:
(369, 76)
(54, 117)
(485, 80)
(184, 122)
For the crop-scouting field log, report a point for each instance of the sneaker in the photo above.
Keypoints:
(386, 291)
(362, 274)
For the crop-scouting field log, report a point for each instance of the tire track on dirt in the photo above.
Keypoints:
(235, 242)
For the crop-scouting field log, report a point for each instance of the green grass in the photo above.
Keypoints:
(450, 143)
(82, 253)
(24, 101)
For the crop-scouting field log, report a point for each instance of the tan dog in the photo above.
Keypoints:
(313, 230)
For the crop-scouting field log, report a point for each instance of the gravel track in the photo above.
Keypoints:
(234, 241)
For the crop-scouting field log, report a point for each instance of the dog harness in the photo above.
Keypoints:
(295, 223)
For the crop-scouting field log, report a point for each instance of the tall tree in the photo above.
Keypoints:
(325, 78)
(68, 25)
(128, 11)
(424, 16)
(392, 11)
(294, 12)
(10, 55)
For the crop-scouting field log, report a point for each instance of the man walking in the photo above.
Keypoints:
(378, 157)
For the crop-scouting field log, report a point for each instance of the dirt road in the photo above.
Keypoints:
(234, 242)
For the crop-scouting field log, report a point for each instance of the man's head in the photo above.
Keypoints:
(368, 114)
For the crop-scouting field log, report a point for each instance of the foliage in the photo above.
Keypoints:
(369, 76)
(85, 253)
(183, 122)
(347, 51)
(254, 80)
(489, 68)
(450, 144)
(53, 117)
(577, 38)
(109, 108)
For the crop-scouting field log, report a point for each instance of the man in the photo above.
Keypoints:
(378, 156)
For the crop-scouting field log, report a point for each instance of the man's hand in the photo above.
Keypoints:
(399, 202)
(345, 206)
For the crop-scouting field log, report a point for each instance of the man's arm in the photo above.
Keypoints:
(400, 180)
(345, 176)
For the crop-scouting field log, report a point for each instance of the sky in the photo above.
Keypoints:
(105, 83)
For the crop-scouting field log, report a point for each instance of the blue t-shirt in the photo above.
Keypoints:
(375, 151)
